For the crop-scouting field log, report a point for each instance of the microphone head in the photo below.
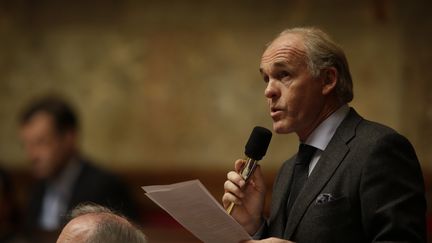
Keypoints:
(259, 140)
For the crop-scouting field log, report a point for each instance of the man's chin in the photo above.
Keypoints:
(40, 176)
(281, 129)
(41, 173)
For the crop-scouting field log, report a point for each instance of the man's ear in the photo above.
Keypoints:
(329, 80)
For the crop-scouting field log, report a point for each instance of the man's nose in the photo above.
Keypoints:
(272, 91)
(33, 156)
(32, 153)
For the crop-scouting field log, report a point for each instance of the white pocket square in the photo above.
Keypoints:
(324, 198)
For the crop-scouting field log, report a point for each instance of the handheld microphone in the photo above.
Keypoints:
(255, 149)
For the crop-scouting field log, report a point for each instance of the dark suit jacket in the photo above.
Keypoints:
(93, 185)
(376, 187)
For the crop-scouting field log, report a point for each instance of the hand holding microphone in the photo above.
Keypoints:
(239, 188)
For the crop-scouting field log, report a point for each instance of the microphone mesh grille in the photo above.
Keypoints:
(259, 140)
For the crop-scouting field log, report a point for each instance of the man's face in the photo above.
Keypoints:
(45, 147)
(294, 96)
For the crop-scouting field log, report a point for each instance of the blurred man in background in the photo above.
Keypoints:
(64, 178)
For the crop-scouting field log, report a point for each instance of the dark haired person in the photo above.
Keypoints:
(49, 132)
(352, 180)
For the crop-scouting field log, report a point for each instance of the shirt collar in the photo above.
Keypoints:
(67, 176)
(323, 133)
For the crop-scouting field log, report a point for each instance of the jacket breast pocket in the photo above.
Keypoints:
(337, 210)
(331, 221)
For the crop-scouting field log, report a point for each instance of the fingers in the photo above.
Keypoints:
(233, 185)
(229, 198)
(256, 178)
(236, 179)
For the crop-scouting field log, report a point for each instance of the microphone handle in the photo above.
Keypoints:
(246, 171)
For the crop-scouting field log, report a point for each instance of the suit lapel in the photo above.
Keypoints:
(35, 204)
(282, 184)
(330, 159)
(77, 192)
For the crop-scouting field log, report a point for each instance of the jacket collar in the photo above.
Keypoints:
(330, 160)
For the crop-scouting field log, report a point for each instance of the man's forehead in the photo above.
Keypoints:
(40, 118)
(284, 54)
(286, 49)
(39, 122)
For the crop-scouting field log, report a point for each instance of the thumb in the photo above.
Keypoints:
(258, 179)
(239, 165)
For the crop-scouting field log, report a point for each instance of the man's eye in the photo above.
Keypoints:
(283, 74)
(266, 78)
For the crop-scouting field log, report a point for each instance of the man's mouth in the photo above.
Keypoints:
(274, 112)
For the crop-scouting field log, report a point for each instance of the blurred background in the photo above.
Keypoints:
(170, 90)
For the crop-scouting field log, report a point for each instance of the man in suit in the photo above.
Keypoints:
(49, 132)
(352, 180)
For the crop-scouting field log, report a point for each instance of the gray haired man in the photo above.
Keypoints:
(97, 224)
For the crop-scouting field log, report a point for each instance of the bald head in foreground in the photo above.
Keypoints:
(94, 223)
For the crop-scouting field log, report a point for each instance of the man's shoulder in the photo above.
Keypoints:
(369, 129)
(376, 128)
(92, 171)
(370, 135)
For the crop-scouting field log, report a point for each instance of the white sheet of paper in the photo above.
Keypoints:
(194, 207)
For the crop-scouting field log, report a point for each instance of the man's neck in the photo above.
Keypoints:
(327, 110)
(61, 169)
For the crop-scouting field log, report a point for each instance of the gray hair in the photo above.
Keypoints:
(112, 228)
(322, 52)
